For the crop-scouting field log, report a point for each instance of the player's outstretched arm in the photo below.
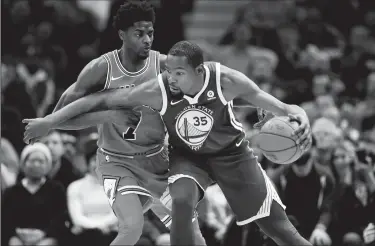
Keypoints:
(148, 93)
(237, 85)
(119, 117)
(91, 79)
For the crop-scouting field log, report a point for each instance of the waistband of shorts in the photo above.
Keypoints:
(147, 154)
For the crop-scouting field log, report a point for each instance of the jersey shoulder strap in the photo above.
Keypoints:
(215, 84)
(114, 70)
(166, 94)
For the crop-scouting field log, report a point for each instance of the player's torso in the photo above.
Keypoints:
(142, 136)
(204, 124)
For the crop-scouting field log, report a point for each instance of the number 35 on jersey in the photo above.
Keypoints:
(193, 125)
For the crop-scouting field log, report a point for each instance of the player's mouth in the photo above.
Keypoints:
(147, 48)
(174, 89)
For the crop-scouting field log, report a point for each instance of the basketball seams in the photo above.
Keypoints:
(281, 137)
(295, 152)
(285, 123)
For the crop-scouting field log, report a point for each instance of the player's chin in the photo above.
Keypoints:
(144, 54)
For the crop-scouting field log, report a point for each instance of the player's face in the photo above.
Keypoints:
(139, 38)
(36, 165)
(182, 77)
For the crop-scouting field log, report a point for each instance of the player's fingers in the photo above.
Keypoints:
(303, 135)
(27, 120)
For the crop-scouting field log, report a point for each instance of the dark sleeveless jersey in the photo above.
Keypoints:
(204, 124)
(149, 132)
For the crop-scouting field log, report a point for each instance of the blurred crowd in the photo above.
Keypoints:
(315, 53)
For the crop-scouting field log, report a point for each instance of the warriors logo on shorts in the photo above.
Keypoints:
(193, 125)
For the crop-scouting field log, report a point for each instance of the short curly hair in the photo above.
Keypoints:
(133, 11)
(191, 51)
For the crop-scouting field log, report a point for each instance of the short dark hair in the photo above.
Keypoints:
(191, 51)
(133, 11)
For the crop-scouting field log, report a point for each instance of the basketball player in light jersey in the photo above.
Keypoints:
(206, 141)
(132, 163)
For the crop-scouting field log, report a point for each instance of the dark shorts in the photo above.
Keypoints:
(244, 183)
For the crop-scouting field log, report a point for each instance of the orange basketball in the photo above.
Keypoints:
(276, 141)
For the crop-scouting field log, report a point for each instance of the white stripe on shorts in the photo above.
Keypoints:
(265, 209)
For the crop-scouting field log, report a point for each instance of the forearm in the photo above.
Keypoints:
(83, 121)
(79, 107)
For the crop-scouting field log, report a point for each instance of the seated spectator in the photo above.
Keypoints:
(9, 161)
(219, 213)
(356, 185)
(93, 219)
(62, 169)
(33, 209)
(326, 135)
(306, 190)
(242, 56)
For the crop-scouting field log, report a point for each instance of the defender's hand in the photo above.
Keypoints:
(35, 129)
(303, 132)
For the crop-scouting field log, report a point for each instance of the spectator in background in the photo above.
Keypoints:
(9, 162)
(315, 31)
(356, 185)
(321, 88)
(306, 189)
(62, 169)
(354, 65)
(33, 209)
(219, 214)
(93, 219)
(326, 135)
(242, 56)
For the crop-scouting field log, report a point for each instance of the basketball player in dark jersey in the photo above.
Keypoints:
(206, 141)
(132, 162)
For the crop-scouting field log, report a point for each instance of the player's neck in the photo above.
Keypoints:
(130, 61)
(197, 87)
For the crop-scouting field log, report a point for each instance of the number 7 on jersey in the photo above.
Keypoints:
(131, 132)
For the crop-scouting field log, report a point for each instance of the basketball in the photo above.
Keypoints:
(276, 142)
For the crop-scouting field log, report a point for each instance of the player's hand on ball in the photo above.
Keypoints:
(35, 129)
(303, 132)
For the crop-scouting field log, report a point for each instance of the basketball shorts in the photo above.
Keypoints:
(141, 175)
(245, 185)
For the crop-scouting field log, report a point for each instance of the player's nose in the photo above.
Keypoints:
(171, 80)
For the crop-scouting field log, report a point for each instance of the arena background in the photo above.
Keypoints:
(319, 54)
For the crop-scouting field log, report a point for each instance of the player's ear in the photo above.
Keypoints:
(200, 69)
(121, 34)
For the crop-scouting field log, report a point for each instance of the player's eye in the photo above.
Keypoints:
(179, 74)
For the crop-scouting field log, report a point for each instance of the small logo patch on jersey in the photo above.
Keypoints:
(110, 186)
(193, 125)
(211, 95)
(116, 78)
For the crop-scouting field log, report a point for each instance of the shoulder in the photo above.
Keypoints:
(162, 61)
(229, 76)
(98, 63)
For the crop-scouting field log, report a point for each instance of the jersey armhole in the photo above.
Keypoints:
(218, 84)
(163, 93)
(109, 71)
